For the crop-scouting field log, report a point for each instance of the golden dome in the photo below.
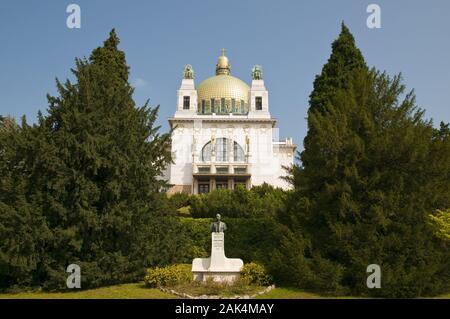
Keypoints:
(223, 85)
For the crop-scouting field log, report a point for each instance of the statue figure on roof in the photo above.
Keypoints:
(257, 73)
(188, 72)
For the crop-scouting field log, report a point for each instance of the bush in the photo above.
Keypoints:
(255, 274)
(168, 276)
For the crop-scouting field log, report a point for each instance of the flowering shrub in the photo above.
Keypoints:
(255, 274)
(168, 276)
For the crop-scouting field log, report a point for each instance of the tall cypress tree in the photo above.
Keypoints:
(366, 184)
(94, 175)
(336, 73)
(344, 61)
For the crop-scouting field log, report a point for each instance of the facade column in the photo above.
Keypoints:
(230, 183)
(194, 186)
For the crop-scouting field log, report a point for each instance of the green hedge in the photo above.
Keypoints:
(249, 239)
(259, 202)
(179, 200)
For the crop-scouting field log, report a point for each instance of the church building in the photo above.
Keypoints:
(224, 135)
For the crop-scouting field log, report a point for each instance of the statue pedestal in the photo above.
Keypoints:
(218, 267)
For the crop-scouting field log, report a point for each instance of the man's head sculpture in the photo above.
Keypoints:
(218, 226)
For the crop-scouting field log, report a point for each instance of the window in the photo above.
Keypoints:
(222, 169)
(203, 107)
(222, 105)
(204, 170)
(206, 152)
(238, 153)
(221, 185)
(258, 103)
(213, 108)
(240, 170)
(186, 102)
(203, 188)
(242, 107)
(221, 150)
(233, 105)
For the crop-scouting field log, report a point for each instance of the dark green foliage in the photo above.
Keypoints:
(179, 200)
(260, 201)
(81, 186)
(371, 171)
(336, 73)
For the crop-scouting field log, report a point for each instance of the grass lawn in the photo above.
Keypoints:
(197, 289)
(288, 293)
(139, 291)
(294, 293)
(125, 291)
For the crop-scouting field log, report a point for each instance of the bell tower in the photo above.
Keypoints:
(259, 96)
(187, 94)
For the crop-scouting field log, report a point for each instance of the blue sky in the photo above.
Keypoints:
(290, 39)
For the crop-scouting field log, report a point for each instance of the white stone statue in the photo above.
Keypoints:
(218, 267)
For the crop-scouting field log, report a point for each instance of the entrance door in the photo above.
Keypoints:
(221, 185)
(203, 188)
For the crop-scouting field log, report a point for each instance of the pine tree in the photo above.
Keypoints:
(366, 183)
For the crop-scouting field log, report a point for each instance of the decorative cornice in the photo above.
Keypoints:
(222, 119)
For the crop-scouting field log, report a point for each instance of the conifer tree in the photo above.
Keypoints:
(90, 171)
(366, 184)
(22, 226)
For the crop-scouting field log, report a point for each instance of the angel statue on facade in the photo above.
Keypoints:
(213, 145)
(257, 72)
(188, 72)
(247, 143)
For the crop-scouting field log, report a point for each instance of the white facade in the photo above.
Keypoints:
(224, 135)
